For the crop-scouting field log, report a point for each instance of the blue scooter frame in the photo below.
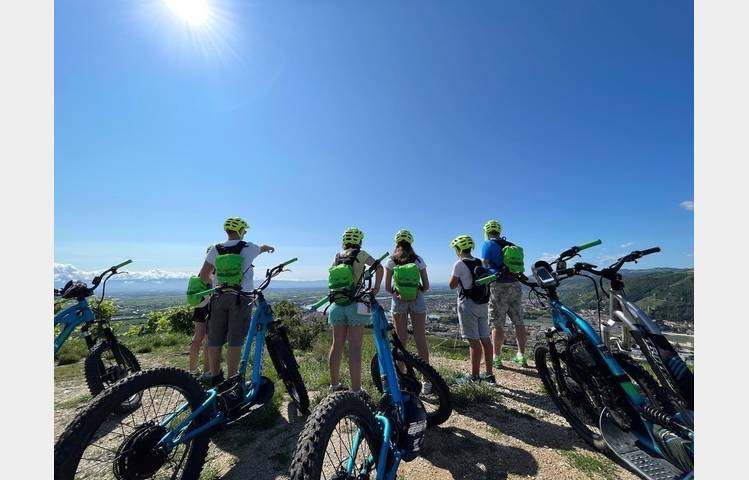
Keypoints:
(262, 317)
(391, 385)
(640, 434)
(70, 318)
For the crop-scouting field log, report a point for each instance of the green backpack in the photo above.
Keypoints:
(341, 280)
(406, 280)
(230, 265)
(195, 285)
(512, 257)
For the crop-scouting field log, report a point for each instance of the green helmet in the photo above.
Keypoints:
(462, 242)
(236, 224)
(492, 226)
(404, 235)
(353, 235)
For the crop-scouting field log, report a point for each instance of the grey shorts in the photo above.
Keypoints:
(505, 302)
(229, 320)
(473, 320)
(409, 306)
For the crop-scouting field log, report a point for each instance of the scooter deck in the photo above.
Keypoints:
(263, 396)
(625, 446)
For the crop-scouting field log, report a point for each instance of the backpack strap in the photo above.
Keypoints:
(235, 249)
(471, 264)
(349, 259)
(503, 242)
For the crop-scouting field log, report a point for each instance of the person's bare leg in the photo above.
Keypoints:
(336, 352)
(197, 340)
(355, 336)
(206, 363)
(232, 360)
(486, 344)
(401, 328)
(418, 321)
(522, 337)
(214, 357)
(498, 339)
(474, 348)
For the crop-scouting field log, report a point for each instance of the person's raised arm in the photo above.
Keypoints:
(266, 248)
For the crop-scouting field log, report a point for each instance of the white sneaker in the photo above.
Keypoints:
(426, 388)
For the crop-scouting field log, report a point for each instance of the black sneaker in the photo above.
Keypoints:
(488, 378)
(217, 379)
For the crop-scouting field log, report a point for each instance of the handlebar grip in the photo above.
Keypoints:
(589, 244)
(487, 279)
(383, 257)
(288, 262)
(126, 262)
(319, 303)
(650, 250)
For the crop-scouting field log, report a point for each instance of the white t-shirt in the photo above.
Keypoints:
(461, 270)
(249, 252)
(390, 264)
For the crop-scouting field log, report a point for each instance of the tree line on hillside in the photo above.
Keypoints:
(665, 295)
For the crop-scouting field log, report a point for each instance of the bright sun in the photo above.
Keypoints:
(194, 12)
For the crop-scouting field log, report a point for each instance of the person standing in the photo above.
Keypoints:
(472, 309)
(505, 300)
(199, 319)
(231, 309)
(348, 324)
(406, 279)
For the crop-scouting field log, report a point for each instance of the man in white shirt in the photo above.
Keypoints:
(230, 310)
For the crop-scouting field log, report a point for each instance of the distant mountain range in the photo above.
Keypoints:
(157, 281)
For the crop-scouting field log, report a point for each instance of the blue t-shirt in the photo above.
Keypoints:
(491, 251)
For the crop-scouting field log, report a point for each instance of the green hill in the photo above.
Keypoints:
(666, 294)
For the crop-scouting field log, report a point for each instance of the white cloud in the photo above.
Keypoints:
(66, 271)
(687, 205)
(549, 256)
(627, 245)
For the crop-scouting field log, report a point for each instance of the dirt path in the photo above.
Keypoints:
(520, 436)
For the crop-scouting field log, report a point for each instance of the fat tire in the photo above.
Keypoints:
(73, 441)
(540, 351)
(282, 356)
(439, 387)
(309, 456)
(91, 366)
(656, 395)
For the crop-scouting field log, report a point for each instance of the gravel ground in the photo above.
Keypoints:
(519, 436)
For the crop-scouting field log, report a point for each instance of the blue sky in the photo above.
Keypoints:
(566, 121)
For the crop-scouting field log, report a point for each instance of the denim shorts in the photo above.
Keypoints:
(409, 306)
(347, 315)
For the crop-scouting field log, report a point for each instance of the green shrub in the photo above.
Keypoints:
(302, 332)
(170, 320)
